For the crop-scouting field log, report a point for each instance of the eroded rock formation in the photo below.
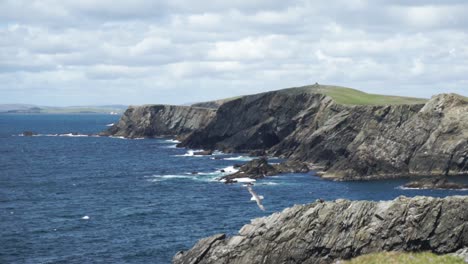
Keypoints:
(323, 232)
(160, 120)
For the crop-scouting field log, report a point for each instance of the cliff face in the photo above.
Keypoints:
(160, 120)
(351, 142)
(323, 232)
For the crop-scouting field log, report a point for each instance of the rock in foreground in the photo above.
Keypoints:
(324, 232)
(435, 183)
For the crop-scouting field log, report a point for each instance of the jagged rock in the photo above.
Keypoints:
(435, 183)
(254, 169)
(204, 153)
(29, 133)
(259, 168)
(322, 232)
(349, 142)
(160, 120)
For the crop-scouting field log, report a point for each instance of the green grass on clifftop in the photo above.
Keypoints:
(341, 95)
(348, 96)
(404, 258)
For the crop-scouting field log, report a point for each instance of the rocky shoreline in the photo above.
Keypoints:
(301, 124)
(323, 232)
(435, 184)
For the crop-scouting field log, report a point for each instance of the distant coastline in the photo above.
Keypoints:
(33, 109)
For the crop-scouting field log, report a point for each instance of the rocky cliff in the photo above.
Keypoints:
(350, 142)
(160, 120)
(323, 232)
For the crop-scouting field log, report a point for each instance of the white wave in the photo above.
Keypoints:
(72, 135)
(190, 176)
(109, 125)
(85, 217)
(171, 146)
(425, 189)
(240, 158)
(230, 169)
(117, 137)
(269, 183)
(244, 180)
(253, 198)
(172, 141)
(190, 153)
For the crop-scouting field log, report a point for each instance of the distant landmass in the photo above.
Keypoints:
(34, 109)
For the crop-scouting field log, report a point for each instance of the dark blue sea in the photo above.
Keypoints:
(70, 198)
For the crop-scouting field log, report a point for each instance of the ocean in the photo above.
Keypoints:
(66, 197)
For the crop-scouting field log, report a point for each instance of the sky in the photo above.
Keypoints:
(88, 52)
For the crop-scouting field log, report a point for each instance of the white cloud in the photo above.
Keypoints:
(165, 51)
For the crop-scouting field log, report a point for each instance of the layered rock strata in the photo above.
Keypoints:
(323, 232)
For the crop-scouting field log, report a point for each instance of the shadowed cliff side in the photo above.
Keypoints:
(324, 232)
(350, 142)
(351, 134)
(160, 120)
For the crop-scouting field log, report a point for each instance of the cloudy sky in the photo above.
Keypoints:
(67, 52)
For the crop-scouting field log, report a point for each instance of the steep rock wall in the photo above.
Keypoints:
(351, 142)
(323, 232)
(160, 120)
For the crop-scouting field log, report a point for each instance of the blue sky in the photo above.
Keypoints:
(59, 52)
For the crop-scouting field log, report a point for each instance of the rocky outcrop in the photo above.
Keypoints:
(160, 120)
(349, 142)
(435, 183)
(323, 232)
(303, 124)
(260, 168)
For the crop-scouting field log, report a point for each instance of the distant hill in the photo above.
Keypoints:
(34, 109)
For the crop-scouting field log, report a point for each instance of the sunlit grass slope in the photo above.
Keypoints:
(348, 96)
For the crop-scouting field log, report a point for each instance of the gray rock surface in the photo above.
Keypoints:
(349, 142)
(322, 232)
(435, 183)
(260, 168)
(160, 120)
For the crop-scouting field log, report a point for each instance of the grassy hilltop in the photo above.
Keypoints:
(349, 96)
(341, 95)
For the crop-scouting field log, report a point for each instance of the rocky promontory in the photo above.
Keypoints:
(351, 142)
(370, 140)
(323, 232)
(160, 120)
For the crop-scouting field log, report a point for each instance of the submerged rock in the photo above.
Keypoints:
(435, 183)
(29, 133)
(323, 232)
